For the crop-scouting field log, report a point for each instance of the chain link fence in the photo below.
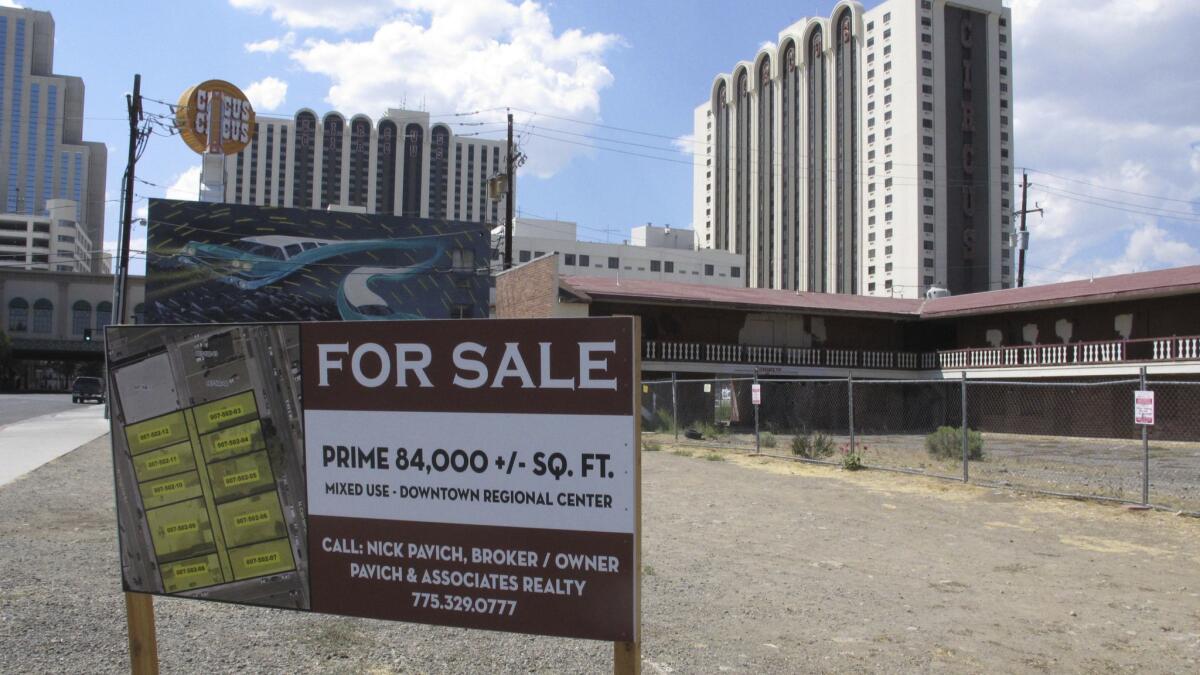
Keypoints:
(1074, 438)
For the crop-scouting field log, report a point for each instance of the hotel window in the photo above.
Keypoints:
(669, 266)
(929, 227)
(614, 263)
(708, 270)
(584, 260)
(569, 259)
(887, 250)
(523, 256)
(735, 272)
(928, 210)
(887, 267)
(927, 245)
(655, 266)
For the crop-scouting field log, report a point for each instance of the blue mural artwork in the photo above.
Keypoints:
(239, 263)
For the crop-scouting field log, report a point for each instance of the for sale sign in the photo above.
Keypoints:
(480, 474)
(1143, 407)
(756, 393)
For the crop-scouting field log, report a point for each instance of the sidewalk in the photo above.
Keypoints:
(28, 444)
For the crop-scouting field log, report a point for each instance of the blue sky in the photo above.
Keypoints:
(1106, 98)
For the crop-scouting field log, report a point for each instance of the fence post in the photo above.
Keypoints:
(757, 448)
(850, 399)
(965, 430)
(674, 405)
(1145, 452)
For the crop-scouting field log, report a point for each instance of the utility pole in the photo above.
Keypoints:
(133, 103)
(1023, 236)
(511, 180)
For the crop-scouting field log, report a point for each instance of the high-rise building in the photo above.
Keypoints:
(870, 152)
(42, 149)
(402, 165)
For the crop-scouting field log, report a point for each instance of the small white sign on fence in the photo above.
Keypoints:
(756, 393)
(1143, 407)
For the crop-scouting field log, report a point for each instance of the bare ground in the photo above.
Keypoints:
(1093, 467)
(751, 565)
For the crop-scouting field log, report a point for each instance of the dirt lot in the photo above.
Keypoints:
(751, 565)
(1094, 467)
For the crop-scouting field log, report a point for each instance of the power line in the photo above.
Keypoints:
(1146, 211)
(1112, 189)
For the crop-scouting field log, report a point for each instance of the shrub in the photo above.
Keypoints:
(852, 460)
(812, 446)
(651, 446)
(659, 421)
(946, 443)
(663, 420)
(714, 457)
(768, 440)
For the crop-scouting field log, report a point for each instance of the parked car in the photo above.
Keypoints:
(87, 388)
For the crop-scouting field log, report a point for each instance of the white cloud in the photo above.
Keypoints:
(340, 16)
(10, 3)
(271, 45)
(454, 57)
(186, 185)
(1105, 101)
(267, 94)
(685, 143)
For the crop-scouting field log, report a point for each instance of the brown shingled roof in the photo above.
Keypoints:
(1157, 283)
(671, 292)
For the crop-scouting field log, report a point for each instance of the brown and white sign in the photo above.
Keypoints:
(472, 473)
(480, 474)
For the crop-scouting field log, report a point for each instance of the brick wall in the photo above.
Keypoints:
(529, 291)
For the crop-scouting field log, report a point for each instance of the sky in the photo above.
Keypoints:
(1106, 99)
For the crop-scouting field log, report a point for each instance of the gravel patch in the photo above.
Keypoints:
(751, 565)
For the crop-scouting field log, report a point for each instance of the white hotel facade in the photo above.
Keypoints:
(401, 164)
(869, 152)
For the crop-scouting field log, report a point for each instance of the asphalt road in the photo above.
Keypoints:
(17, 407)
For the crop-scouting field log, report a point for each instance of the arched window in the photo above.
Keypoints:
(18, 315)
(414, 136)
(439, 175)
(302, 174)
(81, 317)
(360, 160)
(43, 316)
(385, 168)
(741, 171)
(139, 313)
(846, 76)
(103, 314)
(721, 219)
(331, 160)
(766, 177)
(818, 231)
(790, 170)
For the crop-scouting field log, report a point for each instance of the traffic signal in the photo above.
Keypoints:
(87, 334)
